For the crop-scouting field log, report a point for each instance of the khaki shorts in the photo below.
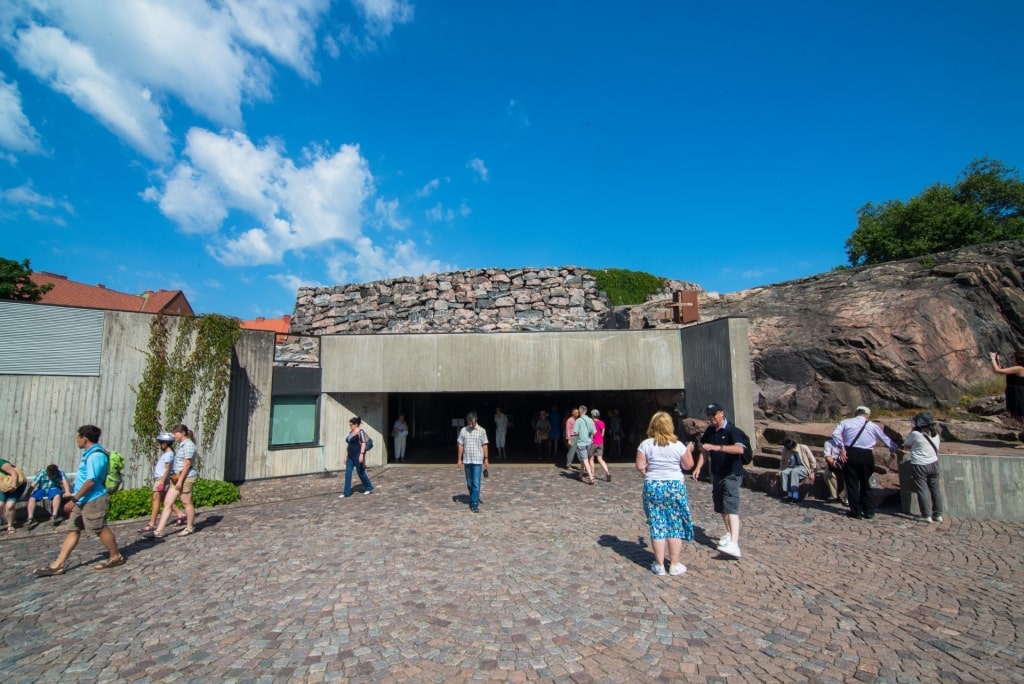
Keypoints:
(91, 516)
(186, 486)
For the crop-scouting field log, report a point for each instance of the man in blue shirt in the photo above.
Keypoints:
(88, 505)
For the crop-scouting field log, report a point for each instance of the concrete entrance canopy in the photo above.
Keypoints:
(711, 361)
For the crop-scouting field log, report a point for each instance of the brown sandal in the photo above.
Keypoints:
(110, 563)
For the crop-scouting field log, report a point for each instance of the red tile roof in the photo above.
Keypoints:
(69, 293)
(278, 325)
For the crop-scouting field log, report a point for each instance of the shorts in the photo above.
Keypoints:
(156, 483)
(725, 493)
(46, 494)
(186, 486)
(91, 516)
(583, 451)
(14, 495)
(597, 451)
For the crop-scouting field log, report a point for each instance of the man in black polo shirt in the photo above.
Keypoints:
(724, 446)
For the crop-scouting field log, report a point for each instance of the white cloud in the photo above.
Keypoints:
(286, 30)
(516, 114)
(292, 282)
(295, 207)
(439, 212)
(379, 18)
(371, 262)
(119, 104)
(428, 189)
(16, 132)
(387, 215)
(479, 168)
(121, 66)
(382, 15)
(23, 200)
(755, 273)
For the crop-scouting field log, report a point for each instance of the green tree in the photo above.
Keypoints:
(985, 204)
(16, 284)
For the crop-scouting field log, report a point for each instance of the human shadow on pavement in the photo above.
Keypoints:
(634, 551)
(201, 523)
(464, 499)
(701, 537)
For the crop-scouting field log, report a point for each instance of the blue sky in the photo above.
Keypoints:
(237, 150)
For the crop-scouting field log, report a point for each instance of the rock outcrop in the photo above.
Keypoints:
(905, 334)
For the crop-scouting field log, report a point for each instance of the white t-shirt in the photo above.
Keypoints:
(501, 423)
(161, 465)
(921, 452)
(663, 462)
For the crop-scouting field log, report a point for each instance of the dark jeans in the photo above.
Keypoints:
(860, 466)
(360, 468)
(926, 481)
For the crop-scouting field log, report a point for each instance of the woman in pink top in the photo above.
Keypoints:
(597, 450)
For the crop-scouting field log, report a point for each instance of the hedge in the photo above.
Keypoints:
(138, 503)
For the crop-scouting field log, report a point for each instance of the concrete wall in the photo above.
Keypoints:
(716, 363)
(39, 414)
(516, 362)
(983, 487)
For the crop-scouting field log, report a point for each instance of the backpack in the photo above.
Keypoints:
(114, 480)
(367, 440)
(8, 483)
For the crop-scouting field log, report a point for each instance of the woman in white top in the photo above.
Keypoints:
(923, 443)
(661, 459)
(400, 432)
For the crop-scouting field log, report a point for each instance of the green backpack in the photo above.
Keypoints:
(114, 480)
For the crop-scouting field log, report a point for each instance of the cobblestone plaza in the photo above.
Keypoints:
(550, 582)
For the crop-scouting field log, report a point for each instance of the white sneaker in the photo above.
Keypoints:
(341, 496)
(676, 569)
(923, 519)
(731, 549)
(725, 539)
(938, 518)
(658, 568)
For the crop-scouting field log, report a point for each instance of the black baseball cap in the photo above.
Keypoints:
(712, 409)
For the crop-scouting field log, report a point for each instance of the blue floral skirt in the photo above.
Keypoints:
(668, 509)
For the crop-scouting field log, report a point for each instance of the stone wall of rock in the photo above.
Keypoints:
(905, 334)
(482, 300)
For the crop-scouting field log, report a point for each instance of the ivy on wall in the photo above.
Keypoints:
(194, 373)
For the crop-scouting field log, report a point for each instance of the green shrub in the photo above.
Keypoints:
(626, 287)
(130, 503)
(215, 493)
(137, 503)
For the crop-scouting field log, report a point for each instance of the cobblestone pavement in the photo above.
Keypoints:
(550, 582)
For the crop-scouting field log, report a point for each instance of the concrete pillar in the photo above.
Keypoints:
(716, 368)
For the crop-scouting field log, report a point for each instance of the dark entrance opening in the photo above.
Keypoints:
(432, 432)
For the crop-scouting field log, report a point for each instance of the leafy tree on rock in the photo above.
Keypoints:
(16, 284)
(986, 204)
